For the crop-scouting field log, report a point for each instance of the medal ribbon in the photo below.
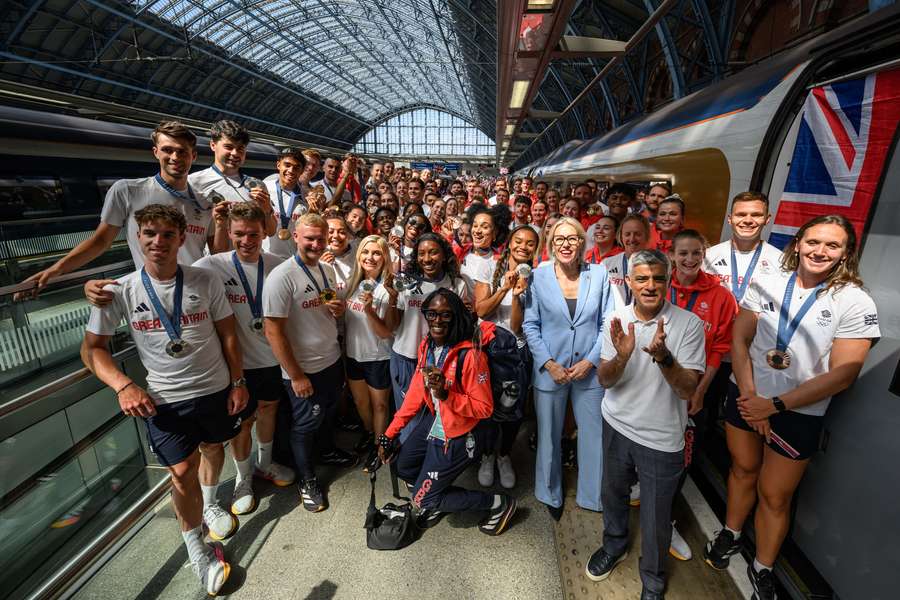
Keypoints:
(180, 195)
(430, 359)
(624, 274)
(228, 181)
(691, 301)
(171, 324)
(255, 302)
(309, 274)
(285, 216)
(739, 290)
(786, 330)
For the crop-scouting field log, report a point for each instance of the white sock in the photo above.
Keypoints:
(265, 455)
(193, 540)
(736, 534)
(244, 469)
(209, 493)
(758, 566)
(497, 501)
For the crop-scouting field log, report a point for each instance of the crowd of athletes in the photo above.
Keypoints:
(336, 291)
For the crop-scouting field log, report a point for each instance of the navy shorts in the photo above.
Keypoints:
(794, 435)
(376, 373)
(263, 384)
(177, 429)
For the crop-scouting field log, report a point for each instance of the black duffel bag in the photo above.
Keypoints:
(390, 527)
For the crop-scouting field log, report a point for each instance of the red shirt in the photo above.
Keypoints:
(594, 257)
(715, 306)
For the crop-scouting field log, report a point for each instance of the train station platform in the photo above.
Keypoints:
(282, 551)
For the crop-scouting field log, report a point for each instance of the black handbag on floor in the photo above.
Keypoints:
(390, 527)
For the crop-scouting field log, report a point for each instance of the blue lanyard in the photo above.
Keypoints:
(625, 274)
(222, 175)
(171, 324)
(691, 301)
(285, 216)
(308, 274)
(429, 356)
(739, 290)
(786, 330)
(180, 195)
(255, 302)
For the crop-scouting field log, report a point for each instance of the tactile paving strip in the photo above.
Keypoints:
(579, 534)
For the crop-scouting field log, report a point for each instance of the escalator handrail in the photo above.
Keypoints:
(24, 286)
(57, 385)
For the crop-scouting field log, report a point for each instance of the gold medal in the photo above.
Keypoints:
(284, 234)
(778, 359)
(327, 295)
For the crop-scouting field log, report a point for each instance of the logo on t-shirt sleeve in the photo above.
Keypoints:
(870, 319)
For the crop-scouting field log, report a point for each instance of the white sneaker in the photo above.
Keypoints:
(212, 570)
(278, 474)
(221, 524)
(679, 547)
(634, 498)
(243, 500)
(486, 471)
(507, 474)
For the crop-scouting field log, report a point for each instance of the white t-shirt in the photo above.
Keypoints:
(310, 327)
(127, 196)
(329, 191)
(233, 189)
(503, 313)
(413, 325)
(642, 405)
(718, 263)
(847, 313)
(203, 370)
(405, 252)
(617, 268)
(363, 344)
(343, 270)
(254, 345)
(273, 244)
(473, 264)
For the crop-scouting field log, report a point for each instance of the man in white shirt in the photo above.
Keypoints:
(521, 210)
(288, 202)
(184, 331)
(650, 363)
(175, 148)
(416, 191)
(331, 180)
(301, 308)
(243, 272)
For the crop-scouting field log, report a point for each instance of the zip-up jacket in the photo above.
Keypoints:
(715, 306)
(467, 403)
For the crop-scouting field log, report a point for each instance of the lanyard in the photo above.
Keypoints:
(430, 359)
(255, 302)
(690, 303)
(311, 278)
(228, 181)
(285, 216)
(171, 324)
(180, 195)
(625, 274)
(738, 290)
(786, 330)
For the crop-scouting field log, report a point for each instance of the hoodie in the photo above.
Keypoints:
(715, 306)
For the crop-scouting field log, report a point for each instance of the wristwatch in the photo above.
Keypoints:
(666, 362)
(239, 382)
(779, 404)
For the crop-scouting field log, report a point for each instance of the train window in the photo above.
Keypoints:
(30, 198)
(103, 185)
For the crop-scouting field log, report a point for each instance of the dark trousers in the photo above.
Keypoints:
(433, 465)
(312, 419)
(659, 473)
(503, 435)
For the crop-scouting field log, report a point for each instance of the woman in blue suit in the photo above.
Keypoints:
(563, 319)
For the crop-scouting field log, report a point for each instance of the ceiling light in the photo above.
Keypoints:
(510, 128)
(519, 91)
(540, 6)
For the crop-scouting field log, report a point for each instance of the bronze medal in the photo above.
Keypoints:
(284, 234)
(778, 359)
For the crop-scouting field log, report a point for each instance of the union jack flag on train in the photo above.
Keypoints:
(845, 136)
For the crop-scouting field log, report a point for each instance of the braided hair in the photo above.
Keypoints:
(502, 265)
(463, 326)
(450, 266)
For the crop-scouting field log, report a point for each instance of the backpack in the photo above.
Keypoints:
(390, 527)
(510, 369)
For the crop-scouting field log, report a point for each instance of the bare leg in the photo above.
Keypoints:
(265, 420)
(360, 392)
(746, 459)
(379, 402)
(778, 480)
(212, 457)
(241, 443)
(186, 495)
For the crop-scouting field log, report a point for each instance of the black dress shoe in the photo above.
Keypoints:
(556, 512)
(648, 595)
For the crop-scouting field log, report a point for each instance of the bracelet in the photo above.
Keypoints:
(122, 389)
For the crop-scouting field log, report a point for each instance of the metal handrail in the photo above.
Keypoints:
(56, 385)
(24, 286)
(77, 566)
(38, 221)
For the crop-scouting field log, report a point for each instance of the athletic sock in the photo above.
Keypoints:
(193, 540)
(209, 493)
(244, 469)
(758, 566)
(264, 458)
(736, 534)
(498, 500)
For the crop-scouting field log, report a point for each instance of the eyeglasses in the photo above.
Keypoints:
(572, 240)
(418, 224)
(443, 317)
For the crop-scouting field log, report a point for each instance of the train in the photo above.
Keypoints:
(740, 134)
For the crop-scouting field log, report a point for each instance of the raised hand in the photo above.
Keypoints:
(622, 342)
(657, 347)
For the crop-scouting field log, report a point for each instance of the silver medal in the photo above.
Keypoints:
(368, 285)
(256, 325)
(177, 348)
(524, 270)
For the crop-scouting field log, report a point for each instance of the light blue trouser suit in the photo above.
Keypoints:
(551, 414)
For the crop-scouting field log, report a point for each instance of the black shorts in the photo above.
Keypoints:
(177, 429)
(264, 384)
(794, 435)
(376, 373)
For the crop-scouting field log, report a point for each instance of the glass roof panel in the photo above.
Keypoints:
(426, 131)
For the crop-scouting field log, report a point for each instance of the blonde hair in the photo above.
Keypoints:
(358, 272)
(312, 220)
(579, 231)
(846, 271)
(247, 211)
(645, 223)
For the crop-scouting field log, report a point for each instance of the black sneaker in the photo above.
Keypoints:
(602, 564)
(338, 458)
(429, 518)
(349, 424)
(648, 595)
(366, 442)
(372, 462)
(718, 552)
(763, 582)
(498, 520)
(311, 495)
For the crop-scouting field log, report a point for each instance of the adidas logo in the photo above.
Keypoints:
(614, 270)
(193, 297)
(721, 263)
(142, 308)
(433, 475)
(232, 282)
(770, 306)
(309, 288)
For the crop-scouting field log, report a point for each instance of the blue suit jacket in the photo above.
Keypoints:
(553, 334)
